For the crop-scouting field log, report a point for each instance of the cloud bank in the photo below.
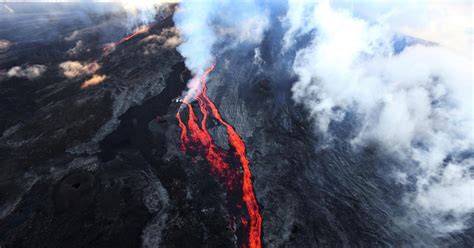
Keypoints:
(446, 22)
(417, 104)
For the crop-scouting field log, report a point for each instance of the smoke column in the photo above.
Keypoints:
(205, 26)
(416, 103)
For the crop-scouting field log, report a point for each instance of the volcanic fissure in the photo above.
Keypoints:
(196, 140)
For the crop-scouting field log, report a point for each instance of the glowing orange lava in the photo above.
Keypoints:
(140, 30)
(215, 157)
(184, 137)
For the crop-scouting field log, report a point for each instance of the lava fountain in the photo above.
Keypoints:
(199, 136)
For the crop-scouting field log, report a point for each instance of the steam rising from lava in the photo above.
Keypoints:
(139, 30)
(217, 157)
(205, 26)
(72, 69)
(4, 44)
(417, 103)
(94, 80)
(143, 12)
(28, 71)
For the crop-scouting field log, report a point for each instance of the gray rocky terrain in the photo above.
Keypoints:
(102, 167)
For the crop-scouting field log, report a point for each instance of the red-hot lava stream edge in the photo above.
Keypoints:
(216, 156)
(140, 30)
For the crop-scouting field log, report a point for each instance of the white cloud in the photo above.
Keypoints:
(206, 24)
(4, 44)
(31, 72)
(297, 21)
(416, 104)
(446, 22)
(257, 57)
(192, 20)
(72, 69)
(94, 80)
(249, 28)
(77, 49)
(168, 39)
(140, 12)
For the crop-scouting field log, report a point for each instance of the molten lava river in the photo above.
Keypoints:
(195, 139)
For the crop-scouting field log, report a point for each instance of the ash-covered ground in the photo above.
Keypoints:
(100, 165)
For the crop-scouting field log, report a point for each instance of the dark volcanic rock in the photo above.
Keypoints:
(265, 84)
(102, 166)
(101, 207)
(51, 190)
(74, 191)
(56, 192)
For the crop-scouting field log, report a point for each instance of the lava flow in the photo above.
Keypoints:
(140, 30)
(216, 157)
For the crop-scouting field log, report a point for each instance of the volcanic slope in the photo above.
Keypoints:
(103, 166)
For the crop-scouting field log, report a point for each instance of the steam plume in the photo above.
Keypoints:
(31, 72)
(416, 104)
(72, 69)
(143, 12)
(94, 80)
(203, 25)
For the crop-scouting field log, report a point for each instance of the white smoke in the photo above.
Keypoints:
(416, 104)
(72, 69)
(193, 21)
(167, 39)
(446, 22)
(78, 49)
(257, 57)
(30, 71)
(4, 44)
(205, 24)
(142, 12)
